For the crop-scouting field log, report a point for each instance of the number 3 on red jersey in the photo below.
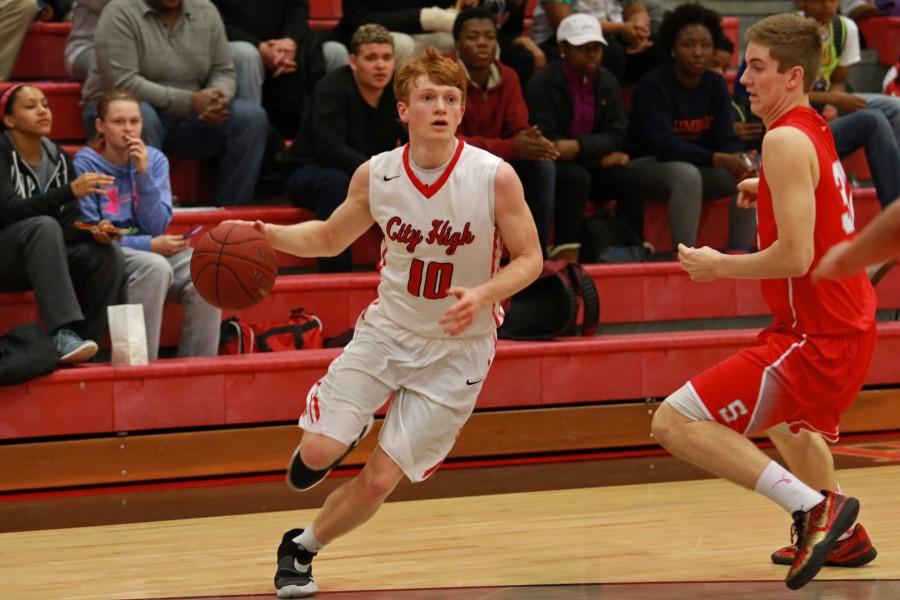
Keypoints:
(840, 180)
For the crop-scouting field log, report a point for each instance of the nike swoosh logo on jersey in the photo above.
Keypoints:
(474, 382)
(386, 178)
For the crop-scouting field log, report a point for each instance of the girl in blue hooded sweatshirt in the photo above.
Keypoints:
(157, 266)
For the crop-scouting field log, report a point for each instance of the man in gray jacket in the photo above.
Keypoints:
(173, 54)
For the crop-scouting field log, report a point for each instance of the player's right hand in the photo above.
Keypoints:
(747, 190)
(461, 314)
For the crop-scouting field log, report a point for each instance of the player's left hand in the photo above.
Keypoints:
(701, 264)
(458, 317)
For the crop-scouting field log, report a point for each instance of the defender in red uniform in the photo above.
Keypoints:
(811, 361)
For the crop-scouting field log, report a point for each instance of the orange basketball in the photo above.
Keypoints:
(233, 266)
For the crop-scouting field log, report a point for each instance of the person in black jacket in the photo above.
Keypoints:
(682, 128)
(73, 276)
(277, 57)
(576, 104)
(352, 116)
(414, 24)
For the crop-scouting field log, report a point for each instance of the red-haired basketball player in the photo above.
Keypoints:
(810, 363)
(429, 338)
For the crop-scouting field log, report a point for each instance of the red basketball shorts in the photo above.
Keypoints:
(804, 381)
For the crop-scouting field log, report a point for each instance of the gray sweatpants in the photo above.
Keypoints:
(685, 186)
(151, 279)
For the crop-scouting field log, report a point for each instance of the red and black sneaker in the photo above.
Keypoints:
(855, 551)
(817, 531)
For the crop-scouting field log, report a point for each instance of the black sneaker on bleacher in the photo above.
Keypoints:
(294, 578)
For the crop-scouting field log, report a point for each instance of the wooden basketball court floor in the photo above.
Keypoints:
(555, 531)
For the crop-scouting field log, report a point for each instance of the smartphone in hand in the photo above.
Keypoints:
(194, 231)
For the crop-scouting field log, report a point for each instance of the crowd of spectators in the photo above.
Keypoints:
(222, 79)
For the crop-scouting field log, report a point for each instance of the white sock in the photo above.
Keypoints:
(308, 540)
(785, 489)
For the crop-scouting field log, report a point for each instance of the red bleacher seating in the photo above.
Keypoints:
(324, 14)
(630, 293)
(256, 388)
(857, 167)
(41, 54)
(713, 230)
(883, 34)
(64, 98)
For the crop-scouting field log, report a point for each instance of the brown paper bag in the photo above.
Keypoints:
(127, 334)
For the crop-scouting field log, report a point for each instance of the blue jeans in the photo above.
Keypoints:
(890, 106)
(539, 181)
(248, 70)
(870, 129)
(322, 189)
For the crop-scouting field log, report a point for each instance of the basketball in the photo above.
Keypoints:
(233, 266)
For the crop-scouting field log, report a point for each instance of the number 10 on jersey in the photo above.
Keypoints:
(430, 280)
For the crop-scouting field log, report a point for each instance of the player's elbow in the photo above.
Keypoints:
(800, 261)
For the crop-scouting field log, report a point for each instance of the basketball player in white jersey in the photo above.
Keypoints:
(429, 338)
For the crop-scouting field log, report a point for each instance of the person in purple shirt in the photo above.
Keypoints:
(157, 266)
(682, 130)
(575, 102)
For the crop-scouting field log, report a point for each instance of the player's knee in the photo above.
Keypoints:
(377, 486)
(318, 455)
(664, 424)
(678, 410)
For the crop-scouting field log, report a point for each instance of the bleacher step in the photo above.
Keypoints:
(261, 388)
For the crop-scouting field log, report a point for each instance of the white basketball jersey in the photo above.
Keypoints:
(439, 232)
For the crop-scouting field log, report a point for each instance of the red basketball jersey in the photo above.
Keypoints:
(831, 307)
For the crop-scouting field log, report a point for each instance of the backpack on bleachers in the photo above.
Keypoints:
(301, 331)
(26, 352)
(606, 238)
(549, 307)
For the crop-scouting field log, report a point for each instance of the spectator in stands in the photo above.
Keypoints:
(173, 55)
(681, 125)
(352, 116)
(277, 57)
(575, 102)
(747, 126)
(74, 277)
(157, 266)
(840, 37)
(517, 50)
(80, 56)
(496, 117)
(630, 51)
(414, 24)
(15, 17)
(868, 129)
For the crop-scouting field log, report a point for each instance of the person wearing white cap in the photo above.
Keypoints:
(576, 104)
(625, 24)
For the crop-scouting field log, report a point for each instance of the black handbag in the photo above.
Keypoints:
(26, 352)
